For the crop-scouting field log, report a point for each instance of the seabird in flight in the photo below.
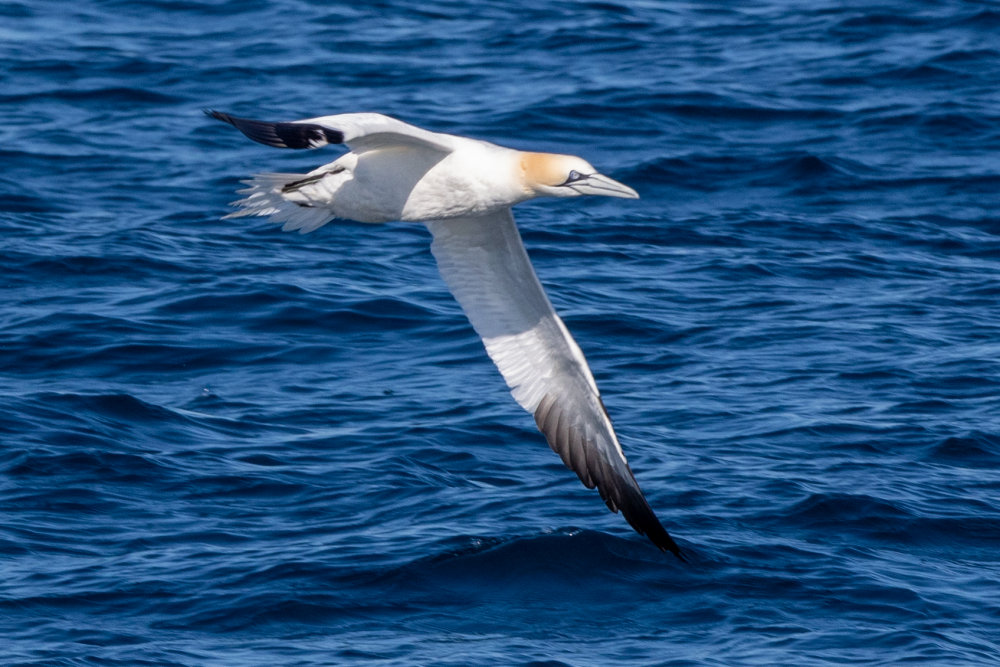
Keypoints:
(462, 189)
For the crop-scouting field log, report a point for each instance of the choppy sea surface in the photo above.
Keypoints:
(222, 444)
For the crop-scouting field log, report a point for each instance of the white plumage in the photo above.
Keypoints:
(462, 190)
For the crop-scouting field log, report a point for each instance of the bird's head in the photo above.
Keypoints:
(548, 174)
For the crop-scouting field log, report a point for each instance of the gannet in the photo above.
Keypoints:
(463, 189)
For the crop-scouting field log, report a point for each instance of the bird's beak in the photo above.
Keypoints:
(599, 184)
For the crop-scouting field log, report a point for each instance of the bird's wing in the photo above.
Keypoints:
(484, 263)
(360, 131)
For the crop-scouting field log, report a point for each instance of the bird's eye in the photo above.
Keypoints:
(574, 176)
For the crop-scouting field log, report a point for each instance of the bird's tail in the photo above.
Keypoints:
(299, 201)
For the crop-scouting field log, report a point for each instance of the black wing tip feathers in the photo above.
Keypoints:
(281, 135)
(659, 536)
(641, 517)
(618, 488)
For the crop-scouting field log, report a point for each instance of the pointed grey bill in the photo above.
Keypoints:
(601, 185)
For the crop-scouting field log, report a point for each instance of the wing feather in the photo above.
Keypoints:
(484, 263)
(282, 135)
(360, 131)
(369, 131)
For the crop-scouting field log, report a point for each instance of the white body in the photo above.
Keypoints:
(410, 184)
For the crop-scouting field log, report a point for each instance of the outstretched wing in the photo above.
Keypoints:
(360, 131)
(484, 263)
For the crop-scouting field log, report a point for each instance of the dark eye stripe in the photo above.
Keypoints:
(574, 176)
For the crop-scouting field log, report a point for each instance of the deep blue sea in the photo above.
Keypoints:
(222, 444)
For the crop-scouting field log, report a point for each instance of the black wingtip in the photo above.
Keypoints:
(641, 517)
(281, 135)
(218, 115)
(666, 543)
(612, 477)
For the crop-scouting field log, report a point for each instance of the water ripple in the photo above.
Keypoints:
(223, 444)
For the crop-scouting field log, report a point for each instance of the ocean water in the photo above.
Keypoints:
(222, 444)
